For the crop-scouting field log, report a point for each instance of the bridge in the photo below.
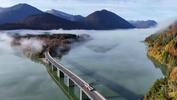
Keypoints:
(72, 79)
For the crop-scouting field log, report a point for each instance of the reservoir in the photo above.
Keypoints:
(113, 62)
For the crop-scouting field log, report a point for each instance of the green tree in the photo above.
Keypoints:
(175, 96)
(162, 93)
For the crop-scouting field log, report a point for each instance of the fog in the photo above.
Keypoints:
(32, 44)
(162, 25)
(6, 48)
(118, 52)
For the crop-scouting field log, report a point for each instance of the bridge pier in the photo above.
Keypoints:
(50, 63)
(70, 82)
(60, 73)
(54, 68)
(71, 78)
(83, 96)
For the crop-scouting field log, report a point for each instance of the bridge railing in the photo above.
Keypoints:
(81, 87)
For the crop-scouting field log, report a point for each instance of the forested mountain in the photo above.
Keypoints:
(1, 9)
(17, 12)
(64, 15)
(105, 20)
(143, 24)
(43, 21)
(99, 20)
(163, 47)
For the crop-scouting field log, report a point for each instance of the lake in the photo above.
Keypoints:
(114, 62)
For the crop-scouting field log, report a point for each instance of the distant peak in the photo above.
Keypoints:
(23, 4)
(53, 10)
(104, 10)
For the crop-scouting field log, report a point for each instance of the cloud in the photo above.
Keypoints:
(32, 44)
(165, 23)
(5, 44)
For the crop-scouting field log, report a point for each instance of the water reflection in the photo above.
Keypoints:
(123, 92)
(157, 64)
(71, 92)
(102, 49)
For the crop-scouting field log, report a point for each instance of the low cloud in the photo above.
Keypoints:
(32, 44)
(165, 23)
(5, 47)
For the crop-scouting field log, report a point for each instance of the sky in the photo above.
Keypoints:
(157, 10)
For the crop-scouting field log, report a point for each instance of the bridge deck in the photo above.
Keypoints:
(94, 95)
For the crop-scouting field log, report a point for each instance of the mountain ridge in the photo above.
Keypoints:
(1, 9)
(105, 20)
(29, 17)
(18, 12)
(142, 23)
(64, 15)
(43, 21)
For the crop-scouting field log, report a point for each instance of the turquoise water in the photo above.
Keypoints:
(114, 62)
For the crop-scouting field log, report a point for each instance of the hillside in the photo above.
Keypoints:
(105, 20)
(64, 15)
(163, 47)
(143, 24)
(17, 12)
(1, 9)
(99, 20)
(43, 21)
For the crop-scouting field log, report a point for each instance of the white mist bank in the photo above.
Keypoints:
(5, 39)
(165, 23)
(7, 48)
(32, 44)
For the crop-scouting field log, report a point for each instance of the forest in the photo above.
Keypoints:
(163, 47)
(57, 44)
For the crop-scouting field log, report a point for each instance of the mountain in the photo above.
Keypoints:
(143, 24)
(104, 20)
(163, 48)
(17, 12)
(76, 17)
(64, 15)
(43, 21)
(1, 9)
(99, 20)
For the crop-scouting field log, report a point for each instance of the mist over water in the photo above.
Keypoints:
(118, 60)
(114, 62)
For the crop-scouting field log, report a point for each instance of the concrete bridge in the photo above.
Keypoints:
(85, 93)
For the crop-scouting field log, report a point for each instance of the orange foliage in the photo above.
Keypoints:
(173, 74)
(158, 44)
(170, 32)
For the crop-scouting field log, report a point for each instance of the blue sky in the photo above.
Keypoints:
(128, 9)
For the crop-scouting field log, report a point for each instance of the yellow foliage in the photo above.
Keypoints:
(167, 47)
(170, 44)
(173, 74)
(170, 95)
(158, 44)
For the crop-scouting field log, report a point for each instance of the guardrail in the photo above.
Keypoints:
(93, 95)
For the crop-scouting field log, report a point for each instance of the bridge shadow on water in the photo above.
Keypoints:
(123, 92)
(68, 91)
